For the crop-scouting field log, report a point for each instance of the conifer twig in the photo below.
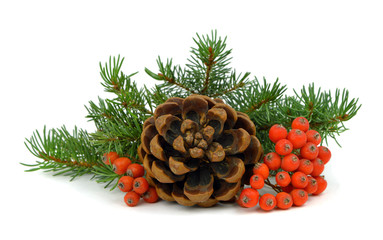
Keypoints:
(209, 65)
(172, 81)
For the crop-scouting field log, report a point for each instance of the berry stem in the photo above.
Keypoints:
(274, 187)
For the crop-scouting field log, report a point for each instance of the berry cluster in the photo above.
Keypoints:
(132, 180)
(299, 163)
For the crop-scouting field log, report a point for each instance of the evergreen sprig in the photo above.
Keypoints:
(67, 154)
(119, 119)
(207, 71)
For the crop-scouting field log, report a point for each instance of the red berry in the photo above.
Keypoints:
(272, 160)
(131, 199)
(309, 151)
(290, 162)
(322, 185)
(283, 147)
(135, 170)
(312, 186)
(261, 169)
(313, 136)
(150, 196)
(257, 181)
(125, 183)
(318, 167)
(121, 164)
(277, 132)
(283, 179)
(288, 188)
(297, 138)
(300, 123)
(140, 185)
(284, 200)
(299, 180)
(324, 154)
(248, 198)
(305, 166)
(299, 196)
(108, 158)
(267, 202)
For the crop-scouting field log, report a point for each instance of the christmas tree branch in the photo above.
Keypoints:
(209, 65)
(128, 94)
(68, 154)
(173, 77)
(230, 90)
(118, 129)
(172, 81)
(207, 71)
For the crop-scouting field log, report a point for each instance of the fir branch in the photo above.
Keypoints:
(156, 95)
(209, 65)
(257, 100)
(228, 91)
(234, 85)
(325, 112)
(207, 71)
(172, 76)
(68, 154)
(261, 95)
(178, 84)
(117, 128)
(128, 94)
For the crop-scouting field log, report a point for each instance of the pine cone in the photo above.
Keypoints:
(198, 150)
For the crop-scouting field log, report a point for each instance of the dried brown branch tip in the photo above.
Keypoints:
(198, 150)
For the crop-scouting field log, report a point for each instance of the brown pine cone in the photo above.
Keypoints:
(198, 150)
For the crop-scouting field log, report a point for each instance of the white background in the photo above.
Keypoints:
(49, 56)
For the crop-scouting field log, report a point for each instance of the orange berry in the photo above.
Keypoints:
(131, 199)
(257, 181)
(248, 198)
(284, 200)
(312, 186)
(318, 167)
(300, 123)
(297, 137)
(108, 158)
(135, 170)
(324, 154)
(290, 162)
(272, 160)
(261, 169)
(140, 185)
(299, 180)
(121, 164)
(125, 183)
(313, 136)
(299, 196)
(267, 202)
(305, 166)
(283, 147)
(277, 132)
(322, 185)
(309, 151)
(150, 196)
(283, 179)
